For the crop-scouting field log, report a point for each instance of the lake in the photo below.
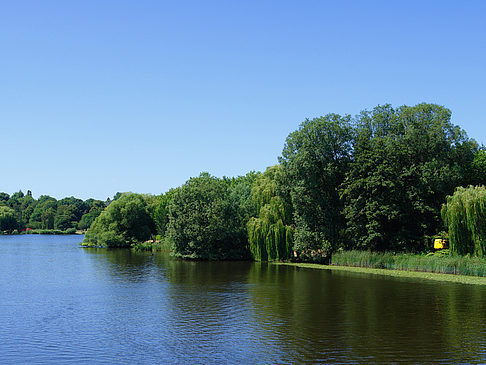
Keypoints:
(64, 304)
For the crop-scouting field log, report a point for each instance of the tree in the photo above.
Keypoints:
(406, 161)
(27, 206)
(18, 195)
(4, 197)
(47, 218)
(464, 216)
(8, 219)
(124, 222)
(161, 211)
(95, 209)
(201, 221)
(73, 207)
(40, 218)
(315, 159)
(243, 207)
(477, 171)
(270, 234)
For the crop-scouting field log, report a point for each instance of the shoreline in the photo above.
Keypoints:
(452, 278)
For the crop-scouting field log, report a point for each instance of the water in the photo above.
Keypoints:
(63, 304)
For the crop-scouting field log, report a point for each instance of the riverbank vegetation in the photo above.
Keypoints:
(20, 212)
(440, 262)
(375, 183)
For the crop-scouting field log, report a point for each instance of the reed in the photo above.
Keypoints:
(438, 263)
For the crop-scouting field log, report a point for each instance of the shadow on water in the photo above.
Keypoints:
(327, 316)
(253, 312)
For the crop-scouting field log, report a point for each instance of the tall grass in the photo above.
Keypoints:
(438, 263)
(154, 246)
(50, 231)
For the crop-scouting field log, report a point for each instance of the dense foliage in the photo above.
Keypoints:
(314, 161)
(270, 234)
(406, 161)
(464, 215)
(124, 222)
(8, 220)
(205, 219)
(47, 213)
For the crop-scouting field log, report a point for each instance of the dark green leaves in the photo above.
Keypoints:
(204, 219)
(314, 161)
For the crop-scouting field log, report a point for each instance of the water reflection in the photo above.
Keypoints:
(255, 312)
(336, 317)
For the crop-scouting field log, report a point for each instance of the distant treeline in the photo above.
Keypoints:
(20, 212)
(373, 182)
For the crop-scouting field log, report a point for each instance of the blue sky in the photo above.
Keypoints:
(104, 96)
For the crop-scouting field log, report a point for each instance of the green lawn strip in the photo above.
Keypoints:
(463, 279)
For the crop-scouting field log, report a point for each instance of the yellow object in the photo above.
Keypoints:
(440, 243)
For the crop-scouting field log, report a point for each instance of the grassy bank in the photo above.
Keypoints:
(438, 266)
(397, 273)
(437, 263)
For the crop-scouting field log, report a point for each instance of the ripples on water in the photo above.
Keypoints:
(63, 304)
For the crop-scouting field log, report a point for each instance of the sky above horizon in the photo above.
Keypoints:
(98, 97)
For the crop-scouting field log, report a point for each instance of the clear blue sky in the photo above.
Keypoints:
(104, 96)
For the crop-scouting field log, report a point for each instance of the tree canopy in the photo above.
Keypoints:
(202, 222)
(314, 161)
(406, 161)
(8, 219)
(464, 216)
(270, 234)
(124, 222)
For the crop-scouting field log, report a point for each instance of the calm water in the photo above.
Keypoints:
(63, 304)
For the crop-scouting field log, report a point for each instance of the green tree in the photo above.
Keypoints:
(18, 195)
(8, 219)
(41, 215)
(124, 222)
(27, 206)
(47, 218)
(243, 207)
(72, 206)
(202, 223)
(270, 233)
(406, 161)
(161, 211)
(4, 197)
(477, 171)
(315, 160)
(95, 209)
(464, 216)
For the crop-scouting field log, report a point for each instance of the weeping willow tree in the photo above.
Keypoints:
(270, 234)
(464, 215)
